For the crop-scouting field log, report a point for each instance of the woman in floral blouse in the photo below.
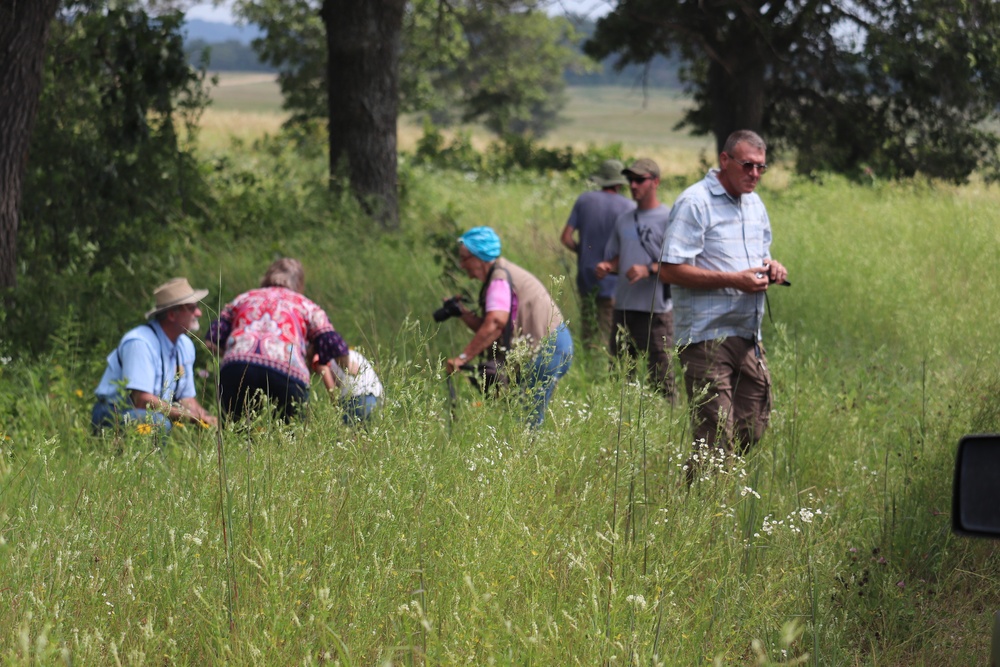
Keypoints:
(263, 335)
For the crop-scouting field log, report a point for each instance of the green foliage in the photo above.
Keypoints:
(935, 72)
(109, 185)
(896, 87)
(510, 93)
(460, 61)
(658, 73)
(508, 156)
(294, 42)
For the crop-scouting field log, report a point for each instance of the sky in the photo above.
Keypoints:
(206, 11)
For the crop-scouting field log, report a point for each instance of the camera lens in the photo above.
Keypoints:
(450, 308)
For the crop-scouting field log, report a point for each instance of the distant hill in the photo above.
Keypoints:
(230, 56)
(228, 46)
(210, 32)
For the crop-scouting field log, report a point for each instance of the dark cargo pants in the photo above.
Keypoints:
(729, 390)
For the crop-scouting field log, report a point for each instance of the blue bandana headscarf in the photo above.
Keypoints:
(482, 242)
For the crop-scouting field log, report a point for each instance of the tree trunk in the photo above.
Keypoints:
(363, 43)
(24, 30)
(737, 93)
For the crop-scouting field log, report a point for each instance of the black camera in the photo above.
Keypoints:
(450, 308)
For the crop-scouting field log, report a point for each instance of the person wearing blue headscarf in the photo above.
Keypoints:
(521, 330)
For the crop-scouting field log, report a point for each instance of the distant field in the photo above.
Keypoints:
(249, 104)
(605, 114)
(246, 91)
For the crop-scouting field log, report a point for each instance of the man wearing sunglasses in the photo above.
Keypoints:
(717, 255)
(592, 219)
(643, 321)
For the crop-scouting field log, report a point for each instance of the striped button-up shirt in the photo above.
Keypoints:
(711, 229)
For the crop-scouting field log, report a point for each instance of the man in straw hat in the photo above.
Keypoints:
(592, 218)
(150, 375)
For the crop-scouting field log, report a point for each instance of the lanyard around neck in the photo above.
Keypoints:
(171, 360)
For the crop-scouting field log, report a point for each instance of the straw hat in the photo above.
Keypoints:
(176, 292)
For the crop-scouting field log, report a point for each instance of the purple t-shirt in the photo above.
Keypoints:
(593, 217)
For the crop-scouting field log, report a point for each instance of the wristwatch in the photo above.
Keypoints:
(463, 357)
(651, 269)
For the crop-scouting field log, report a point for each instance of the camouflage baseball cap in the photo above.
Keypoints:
(643, 167)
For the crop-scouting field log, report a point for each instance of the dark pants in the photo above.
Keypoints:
(729, 389)
(595, 318)
(239, 384)
(651, 334)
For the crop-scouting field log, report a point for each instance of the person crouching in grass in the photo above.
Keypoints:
(358, 386)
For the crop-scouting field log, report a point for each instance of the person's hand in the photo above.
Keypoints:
(776, 272)
(453, 365)
(315, 365)
(752, 280)
(637, 272)
(602, 269)
(208, 421)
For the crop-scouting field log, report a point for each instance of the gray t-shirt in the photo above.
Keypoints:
(593, 216)
(647, 294)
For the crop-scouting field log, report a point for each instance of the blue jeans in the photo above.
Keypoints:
(551, 363)
(359, 408)
(107, 414)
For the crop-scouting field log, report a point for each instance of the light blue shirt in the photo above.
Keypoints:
(711, 229)
(146, 360)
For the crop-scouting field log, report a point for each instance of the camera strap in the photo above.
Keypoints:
(174, 379)
(507, 335)
(652, 256)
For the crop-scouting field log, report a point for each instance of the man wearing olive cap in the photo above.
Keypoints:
(591, 220)
(150, 375)
(643, 318)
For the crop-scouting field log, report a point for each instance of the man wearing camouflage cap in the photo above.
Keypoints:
(643, 317)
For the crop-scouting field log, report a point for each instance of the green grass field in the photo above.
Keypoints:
(447, 535)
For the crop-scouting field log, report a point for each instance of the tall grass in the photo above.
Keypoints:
(428, 539)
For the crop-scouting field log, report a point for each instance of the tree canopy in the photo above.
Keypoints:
(460, 60)
(109, 181)
(897, 86)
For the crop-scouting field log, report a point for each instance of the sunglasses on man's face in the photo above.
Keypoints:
(638, 180)
(749, 166)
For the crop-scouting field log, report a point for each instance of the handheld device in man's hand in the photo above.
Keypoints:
(771, 280)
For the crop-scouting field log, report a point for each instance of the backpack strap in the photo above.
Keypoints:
(507, 335)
